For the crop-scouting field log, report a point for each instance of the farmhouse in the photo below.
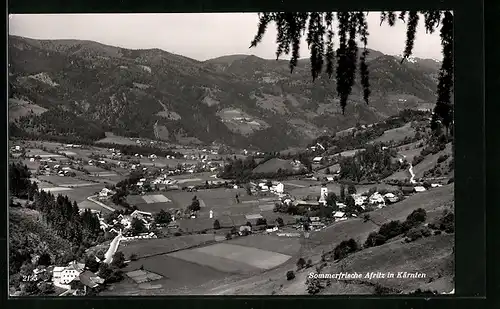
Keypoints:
(105, 192)
(376, 198)
(245, 229)
(341, 205)
(273, 229)
(391, 197)
(419, 189)
(338, 214)
(317, 225)
(62, 276)
(359, 199)
(317, 160)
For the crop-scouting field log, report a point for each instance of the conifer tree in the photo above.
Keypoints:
(350, 26)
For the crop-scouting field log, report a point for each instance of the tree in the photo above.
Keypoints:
(138, 226)
(105, 271)
(91, 263)
(44, 259)
(345, 248)
(350, 205)
(115, 276)
(290, 275)
(133, 257)
(342, 192)
(30, 288)
(374, 239)
(351, 189)
(234, 230)
(46, 288)
(280, 222)
(249, 224)
(308, 263)
(162, 217)
(353, 26)
(100, 255)
(195, 204)
(301, 263)
(118, 259)
(228, 236)
(216, 224)
(261, 221)
(314, 285)
(416, 217)
(391, 229)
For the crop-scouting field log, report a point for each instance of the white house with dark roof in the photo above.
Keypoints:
(62, 276)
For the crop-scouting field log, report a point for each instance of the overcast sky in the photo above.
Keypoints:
(199, 36)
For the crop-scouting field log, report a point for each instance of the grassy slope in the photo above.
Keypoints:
(432, 256)
(19, 108)
(397, 134)
(271, 166)
(429, 162)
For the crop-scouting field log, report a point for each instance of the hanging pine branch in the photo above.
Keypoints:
(444, 109)
(363, 67)
(330, 54)
(410, 34)
(342, 60)
(291, 26)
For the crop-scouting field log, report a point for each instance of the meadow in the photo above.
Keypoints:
(233, 258)
(149, 247)
(396, 134)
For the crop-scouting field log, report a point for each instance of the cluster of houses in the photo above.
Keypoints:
(56, 169)
(16, 149)
(268, 186)
(73, 278)
(123, 223)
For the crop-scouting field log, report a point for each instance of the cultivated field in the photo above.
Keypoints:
(179, 277)
(349, 153)
(116, 139)
(144, 248)
(271, 166)
(333, 169)
(396, 134)
(86, 204)
(283, 245)
(76, 194)
(65, 181)
(32, 152)
(233, 258)
(141, 276)
(20, 108)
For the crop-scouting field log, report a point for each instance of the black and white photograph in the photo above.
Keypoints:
(272, 153)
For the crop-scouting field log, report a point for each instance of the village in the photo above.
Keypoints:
(291, 208)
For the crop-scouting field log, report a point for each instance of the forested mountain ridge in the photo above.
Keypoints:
(238, 100)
